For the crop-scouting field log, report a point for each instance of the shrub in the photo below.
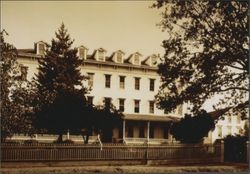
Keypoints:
(192, 129)
(68, 141)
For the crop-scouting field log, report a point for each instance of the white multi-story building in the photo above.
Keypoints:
(130, 83)
(229, 125)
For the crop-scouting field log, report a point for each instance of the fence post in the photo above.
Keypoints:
(68, 134)
(222, 146)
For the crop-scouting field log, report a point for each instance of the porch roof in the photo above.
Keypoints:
(142, 117)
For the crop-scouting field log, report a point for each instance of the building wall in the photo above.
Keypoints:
(230, 125)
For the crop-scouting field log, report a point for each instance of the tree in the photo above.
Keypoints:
(192, 129)
(102, 119)
(16, 116)
(206, 54)
(61, 104)
(105, 119)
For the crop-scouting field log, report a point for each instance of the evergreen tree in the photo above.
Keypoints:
(16, 94)
(61, 102)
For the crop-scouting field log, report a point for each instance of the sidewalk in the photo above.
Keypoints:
(127, 169)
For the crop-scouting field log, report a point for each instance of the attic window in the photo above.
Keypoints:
(136, 59)
(119, 57)
(81, 53)
(153, 60)
(41, 49)
(101, 55)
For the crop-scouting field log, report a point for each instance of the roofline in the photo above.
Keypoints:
(92, 61)
(156, 118)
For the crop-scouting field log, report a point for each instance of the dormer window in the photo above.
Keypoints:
(153, 60)
(82, 52)
(136, 59)
(40, 48)
(119, 57)
(101, 55)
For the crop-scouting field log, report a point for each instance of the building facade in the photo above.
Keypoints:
(230, 125)
(130, 83)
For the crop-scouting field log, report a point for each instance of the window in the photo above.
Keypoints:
(24, 72)
(151, 84)
(137, 83)
(90, 100)
(91, 79)
(136, 59)
(119, 57)
(137, 106)
(219, 131)
(153, 60)
(151, 107)
(41, 48)
(101, 55)
(121, 104)
(229, 118)
(107, 102)
(122, 82)
(81, 53)
(107, 81)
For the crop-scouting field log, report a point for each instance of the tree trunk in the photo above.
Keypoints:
(86, 139)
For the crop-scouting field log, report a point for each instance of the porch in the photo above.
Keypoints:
(145, 129)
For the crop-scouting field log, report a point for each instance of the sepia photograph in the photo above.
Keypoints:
(150, 86)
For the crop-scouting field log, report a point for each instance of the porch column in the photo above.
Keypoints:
(68, 134)
(148, 126)
(123, 130)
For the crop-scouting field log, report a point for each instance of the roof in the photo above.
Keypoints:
(31, 53)
(159, 118)
(216, 114)
(26, 50)
(82, 46)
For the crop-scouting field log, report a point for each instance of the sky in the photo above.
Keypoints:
(113, 25)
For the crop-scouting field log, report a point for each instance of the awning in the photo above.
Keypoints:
(158, 118)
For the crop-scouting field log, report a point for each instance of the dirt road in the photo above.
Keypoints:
(124, 169)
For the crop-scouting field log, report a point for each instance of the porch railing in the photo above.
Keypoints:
(51, 138)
